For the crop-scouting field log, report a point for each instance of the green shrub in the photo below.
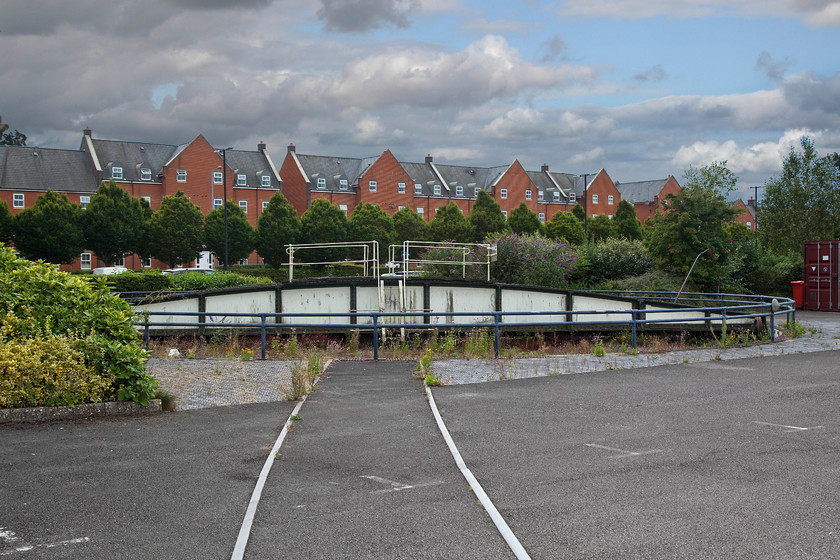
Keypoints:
(612, 259)
(655, 280)
(190, 281)
(140, 281)
(533, 260)
(48, 370)
(774, 273)
(38, 301)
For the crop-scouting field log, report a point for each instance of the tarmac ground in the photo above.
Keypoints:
(730, 456)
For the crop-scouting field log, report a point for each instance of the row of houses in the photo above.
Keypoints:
(251, 178)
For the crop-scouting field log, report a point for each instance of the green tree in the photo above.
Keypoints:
(486, 217)
(565, 226)
(693, 221)
(523, 220)
(49, 230)
(178, 230)
(113, 223)
(601, 227)
(241, 237)
(324, 223)
(449, 224)
(410, 226)
(627, 224)
(5, 224)
(277, 227)
(369, 222)
(579, 212)
(803, 203)
(15, 138)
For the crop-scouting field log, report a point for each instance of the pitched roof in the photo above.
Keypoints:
(254, 165)
(333, 170)
(26, 168)
(641, 191)
(132, 157)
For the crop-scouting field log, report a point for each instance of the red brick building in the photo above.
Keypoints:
(646, 196)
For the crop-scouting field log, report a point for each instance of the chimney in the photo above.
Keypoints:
(429, 158)
(88, 132)
(545, 168)
(261, 147)
(291, 148)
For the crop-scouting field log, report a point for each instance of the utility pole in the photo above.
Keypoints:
(585, 209)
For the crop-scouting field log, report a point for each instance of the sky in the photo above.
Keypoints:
(641, 88)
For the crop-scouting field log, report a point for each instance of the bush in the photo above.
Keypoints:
(774, 273)
(141, 281)
(655, 280)
(533, 260)
(190, 281)
(612, 259)
(37, 302)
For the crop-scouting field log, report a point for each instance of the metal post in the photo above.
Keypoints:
(375, 318)
(262, 334)
(633, 329)
(585, 210)
(146, 331)
(496, 319)
(773, 326)
(224, 183)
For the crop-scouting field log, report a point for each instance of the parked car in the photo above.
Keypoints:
(109, 270)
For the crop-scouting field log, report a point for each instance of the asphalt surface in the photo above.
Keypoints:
(719, 459)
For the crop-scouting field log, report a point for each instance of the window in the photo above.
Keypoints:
(476, 191)
(217, 203)
(572, 197)
(749, 225)
(217, 178)
(17, 200)
(244, 261)
(504, 213)
(116, 172)
(145, 174)
(148, 199)
(556, 196)
(437, 189)
(401, 188)
(503, 193)
(528, 194)
(147, 262)
(343, 208)
(84, 201)
(244, 205)
(418, 188)
(264, 204)
(420, 210)
(119, 260)
(241, 180)
(342, 184)
(372, 186)
(400, 207)
(609, 199)
(594, 199)
(459, 191)
(265, 180)
(86, 259)
(181, 176)
(540, 195)
(542, 217)
(322, 183)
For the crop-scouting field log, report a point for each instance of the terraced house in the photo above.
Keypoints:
(203, 172)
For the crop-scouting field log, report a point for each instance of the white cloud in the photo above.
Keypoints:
(595, 155)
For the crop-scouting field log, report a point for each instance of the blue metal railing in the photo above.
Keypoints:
(744, 307)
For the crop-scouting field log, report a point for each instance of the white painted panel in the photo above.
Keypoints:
(367, 299)
(248, 302)
(335, 299)
(521, 300)
(445, 299)
(188, 305)
(585, 303)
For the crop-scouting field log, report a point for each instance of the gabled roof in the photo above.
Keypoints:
(254, 165)
(132, 157)
(24, 168)
(469, 178)
(641, 191)
(422, 174)
(333, 170)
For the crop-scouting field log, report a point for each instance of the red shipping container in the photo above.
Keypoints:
(822, 275)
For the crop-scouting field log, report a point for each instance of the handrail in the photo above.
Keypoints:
(761, 308)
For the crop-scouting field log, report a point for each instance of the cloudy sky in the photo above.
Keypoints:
(642, 88)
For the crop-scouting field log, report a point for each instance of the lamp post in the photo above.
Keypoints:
(224, 201)
(585, 208)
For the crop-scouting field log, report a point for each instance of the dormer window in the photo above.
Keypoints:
(342, 185)
(418, 188)
(145, 174)
(572, 198)
(322, 183)
(241, 180)
(540, 195)
(181, 176)
(117, 172)
(437, 189)
(459, 190)
(265, 180)
(476, 191)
